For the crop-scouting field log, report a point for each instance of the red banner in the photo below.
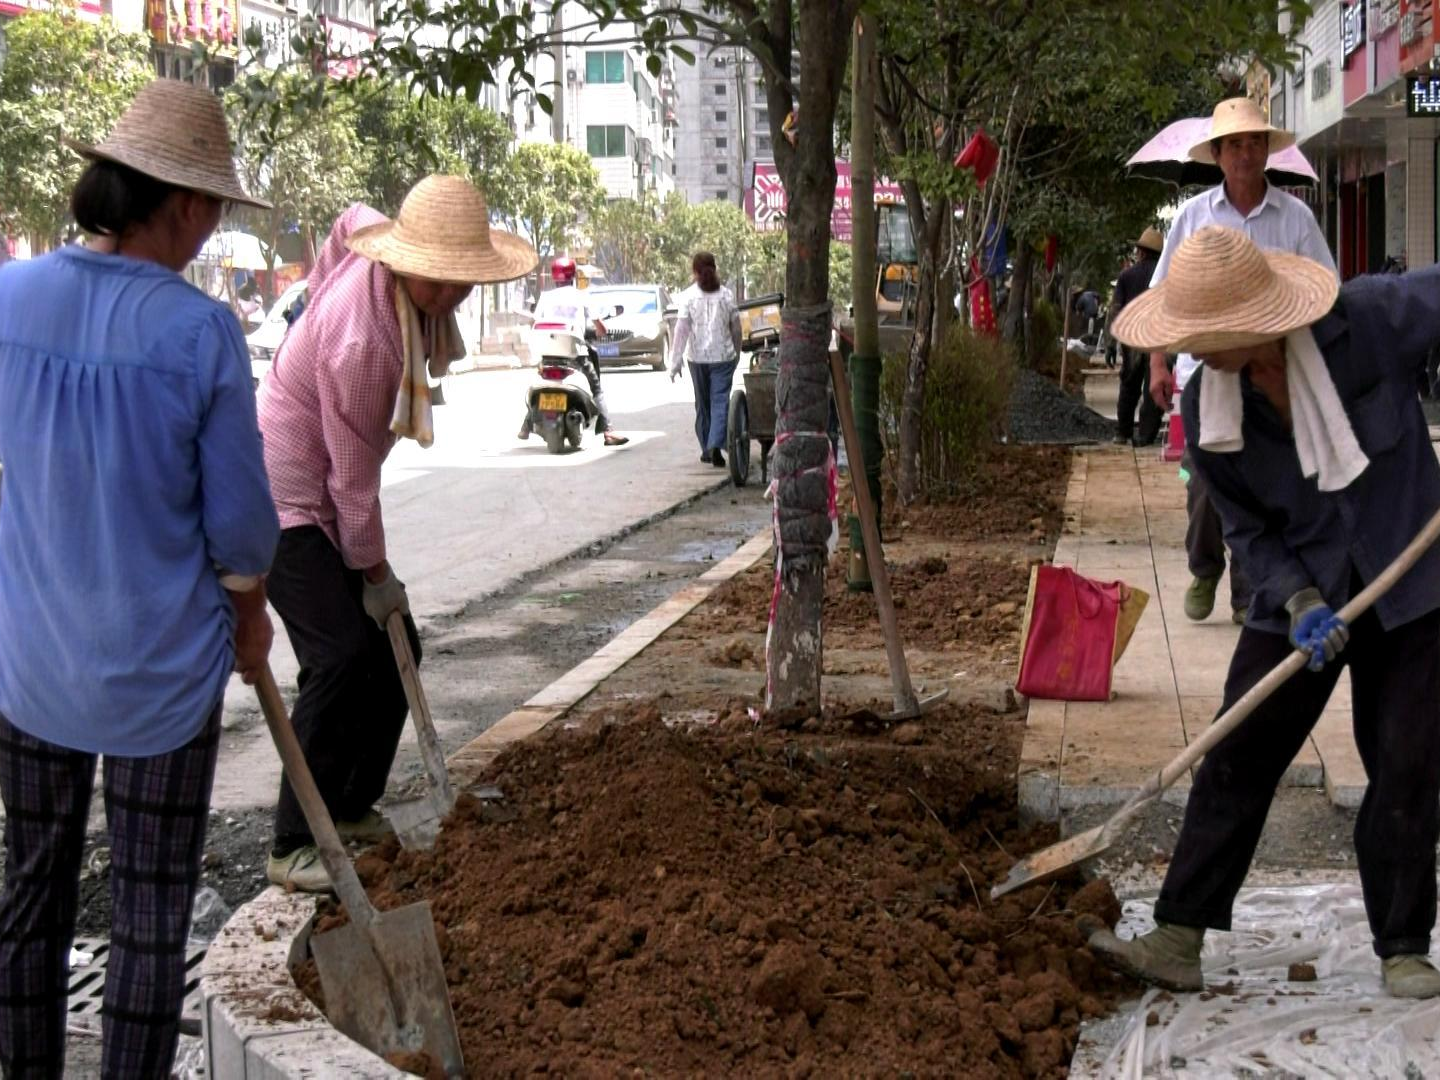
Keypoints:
(765, 201)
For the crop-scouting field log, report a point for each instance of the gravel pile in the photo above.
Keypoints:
(1040, 412)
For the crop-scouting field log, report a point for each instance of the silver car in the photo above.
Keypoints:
(643, 322)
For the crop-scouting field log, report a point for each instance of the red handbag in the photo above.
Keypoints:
(1067, 650)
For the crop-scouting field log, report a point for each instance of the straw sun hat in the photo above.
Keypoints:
(1223, 292)
(175, 132)
(1151, 240)
(1236, 116)
(443, 234)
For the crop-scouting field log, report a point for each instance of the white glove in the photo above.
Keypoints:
(383, 597)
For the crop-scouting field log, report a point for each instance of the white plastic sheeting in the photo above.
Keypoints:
(1252, 1021)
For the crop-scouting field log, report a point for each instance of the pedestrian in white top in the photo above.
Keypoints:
(710, 325)
(1240, 142)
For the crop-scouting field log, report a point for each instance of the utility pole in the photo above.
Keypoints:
(865, 360)
(557, 52)
(740, 150)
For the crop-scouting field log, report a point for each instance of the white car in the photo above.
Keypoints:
(264, 340)
(644, 324)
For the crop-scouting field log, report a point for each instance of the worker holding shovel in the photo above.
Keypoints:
(1305, 426)
(350, 378)
(135, 529)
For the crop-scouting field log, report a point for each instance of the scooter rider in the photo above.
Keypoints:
(568, 304)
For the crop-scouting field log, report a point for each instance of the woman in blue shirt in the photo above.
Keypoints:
(135, 526)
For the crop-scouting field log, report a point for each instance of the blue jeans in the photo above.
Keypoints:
(712, 402)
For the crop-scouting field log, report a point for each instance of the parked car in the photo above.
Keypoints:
(645, 321)
(264, 340)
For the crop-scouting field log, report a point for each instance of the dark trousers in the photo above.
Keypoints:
(156, 810)
(1395, 679)
(591, 370)
(1205, 541)
(352, 707)
(1135, 390)
(712, 402)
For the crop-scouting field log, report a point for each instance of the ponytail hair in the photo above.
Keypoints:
(703, 264)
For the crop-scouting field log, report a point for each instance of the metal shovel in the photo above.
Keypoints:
(383, 978)
(907, 705)
(417, 821)
(1058, 858)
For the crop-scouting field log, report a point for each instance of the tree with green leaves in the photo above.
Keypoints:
(626, 239)
(62, 77)
(551, 190)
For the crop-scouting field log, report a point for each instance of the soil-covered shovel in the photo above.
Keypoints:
(907, 705)
(417, 821)
(383, 978)
(1057, 858)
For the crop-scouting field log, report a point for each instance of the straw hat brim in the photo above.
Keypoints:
(1300, 292)
(506, 258)
(169, 172)
(1279, 140)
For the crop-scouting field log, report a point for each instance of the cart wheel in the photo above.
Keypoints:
(738, 429)
(765, 445)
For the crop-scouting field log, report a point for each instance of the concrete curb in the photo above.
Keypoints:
(258, 1025)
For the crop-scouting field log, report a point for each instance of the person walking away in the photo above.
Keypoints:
(1240, 142)
(350, 378)
(1305, 428)
(1134, 365)
(566, 303)
(135, 530)
(709, 324)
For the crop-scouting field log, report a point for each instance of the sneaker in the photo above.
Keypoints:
(1410, 976)
(1239, 615)
(1168, 956)
(705, 457)
(370, 828)
(717, 458)
(1200, 598)
(301, 871)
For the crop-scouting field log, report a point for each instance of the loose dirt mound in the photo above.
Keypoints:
(726, 900)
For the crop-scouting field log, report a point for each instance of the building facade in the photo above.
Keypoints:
(724, 125)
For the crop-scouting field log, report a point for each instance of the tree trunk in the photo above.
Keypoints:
(912, 403)
(1019, 290)
(794, 653)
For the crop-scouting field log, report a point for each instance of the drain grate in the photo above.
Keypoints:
(87, 982)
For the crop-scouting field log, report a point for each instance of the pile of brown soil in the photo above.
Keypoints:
(732, 900)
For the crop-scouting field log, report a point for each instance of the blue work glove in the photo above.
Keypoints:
(1315, 629)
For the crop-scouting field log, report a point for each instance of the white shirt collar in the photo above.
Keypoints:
(1220, 197)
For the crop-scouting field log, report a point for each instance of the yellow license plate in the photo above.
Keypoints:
(554, 402)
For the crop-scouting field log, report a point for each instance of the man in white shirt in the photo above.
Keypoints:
(1240, 142)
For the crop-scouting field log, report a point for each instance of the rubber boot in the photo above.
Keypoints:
(1200, 598)
(1410, 976)
(1168, 956)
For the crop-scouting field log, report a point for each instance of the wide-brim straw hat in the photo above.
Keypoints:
(175, 132)
(1222, 292)
(1151, 240)
(443, 233)
(1235, 116)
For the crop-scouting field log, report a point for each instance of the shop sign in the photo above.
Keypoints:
(1352, 29)
(1384, 16)
(345, 42)
(765, 201)
(1409, 29)
(214, 23)
(1321, 80)
(1422, 95)
(275, 32)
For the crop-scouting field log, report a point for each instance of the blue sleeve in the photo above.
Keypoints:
(1397, 316)
(237, 511)
(1259, 545)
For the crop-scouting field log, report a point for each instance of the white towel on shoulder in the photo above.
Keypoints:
(1324, 439)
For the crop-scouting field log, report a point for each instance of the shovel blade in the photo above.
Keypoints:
(386, 988)
(416, 823)
(1054, 860)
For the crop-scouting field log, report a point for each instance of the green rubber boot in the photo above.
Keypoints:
(1200, 598)
(1410, 976)
(1168, 956)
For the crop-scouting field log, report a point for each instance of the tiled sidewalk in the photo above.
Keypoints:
(1125, 519)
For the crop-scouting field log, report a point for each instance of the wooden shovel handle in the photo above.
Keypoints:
(442, 795)
(322, 827)
(1281, 673)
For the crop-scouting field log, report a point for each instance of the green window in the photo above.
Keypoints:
(605, 140)
(605, 67)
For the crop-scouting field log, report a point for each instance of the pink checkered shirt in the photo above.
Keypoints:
(326, 404)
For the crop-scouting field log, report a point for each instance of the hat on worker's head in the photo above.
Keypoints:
(1237, 116)
(1151, 240)
(175, 132)
(1223, 292)
(443, 233)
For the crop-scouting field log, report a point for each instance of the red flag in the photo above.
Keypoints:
(981, 154)
(982, 303)
(1052, 253)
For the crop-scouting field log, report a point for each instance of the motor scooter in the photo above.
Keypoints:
(558, 404)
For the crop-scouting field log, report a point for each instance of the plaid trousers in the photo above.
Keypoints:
(156, 809)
